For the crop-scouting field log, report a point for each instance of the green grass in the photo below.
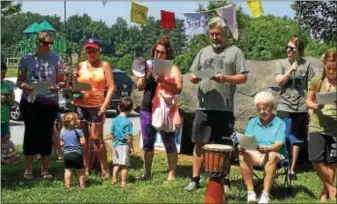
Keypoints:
(12, 72)
(15, 189)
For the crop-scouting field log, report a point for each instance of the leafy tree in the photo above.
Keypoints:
(319, 17)
(8, 9)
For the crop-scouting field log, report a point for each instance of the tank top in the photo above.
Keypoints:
(95, 77)
(149, 92)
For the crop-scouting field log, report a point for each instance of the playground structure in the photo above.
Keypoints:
(28, 43)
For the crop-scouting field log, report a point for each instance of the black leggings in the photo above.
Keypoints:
(39, 121)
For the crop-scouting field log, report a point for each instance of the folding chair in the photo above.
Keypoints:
(281, 172)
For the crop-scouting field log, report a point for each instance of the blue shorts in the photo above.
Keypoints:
(5, 129)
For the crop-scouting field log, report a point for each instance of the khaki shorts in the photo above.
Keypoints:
(259, 158)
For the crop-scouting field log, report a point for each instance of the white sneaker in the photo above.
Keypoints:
(251, 198)
(264, 198)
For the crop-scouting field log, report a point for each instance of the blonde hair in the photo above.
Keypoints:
(264, 97)
(70, 120)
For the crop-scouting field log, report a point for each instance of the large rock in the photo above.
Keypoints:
(261, 75)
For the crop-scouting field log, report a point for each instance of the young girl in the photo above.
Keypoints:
(323, 129)
(72, 139)
(121, 130)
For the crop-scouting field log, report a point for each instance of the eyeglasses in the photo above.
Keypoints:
(46, 42)
(290, 48)
(160, 52)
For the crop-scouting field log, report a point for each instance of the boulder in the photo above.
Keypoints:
(260, 77)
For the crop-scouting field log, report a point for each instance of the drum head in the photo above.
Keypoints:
(218, 147)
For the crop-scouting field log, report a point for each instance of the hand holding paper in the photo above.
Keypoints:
(161, 66)
(81, 86)
(326, 98)
(247, 142)
(205, 74)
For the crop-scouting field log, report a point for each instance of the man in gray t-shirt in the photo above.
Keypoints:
(214, 118)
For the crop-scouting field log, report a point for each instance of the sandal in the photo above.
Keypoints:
(105, 176)
(28, 176)
(144, 177)
(46, 176)
(166, 181)
(59, 160)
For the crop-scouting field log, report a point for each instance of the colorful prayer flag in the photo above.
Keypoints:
(168, 20)
(255, 7)
(138, 13)
(195, 23)
(228, 13)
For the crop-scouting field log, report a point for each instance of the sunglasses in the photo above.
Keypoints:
(46, 42)
(290, 48)
(160, 52)
(91, 51)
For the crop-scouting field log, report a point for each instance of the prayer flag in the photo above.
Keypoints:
(138, 13)
(228, 13)
(168, 20)
(104, 2)
(255, 7)
(195, 23)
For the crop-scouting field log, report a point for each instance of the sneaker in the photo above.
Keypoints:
(192, 186)
(264, 198)
(251, 198)
(226, 185)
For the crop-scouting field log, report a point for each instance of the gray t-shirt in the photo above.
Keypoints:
(293, 93)
(42, 69)
(211, 94)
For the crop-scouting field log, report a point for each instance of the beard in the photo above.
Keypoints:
(217, 44)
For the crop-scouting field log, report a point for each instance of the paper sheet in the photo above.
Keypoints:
(161, 66)
(41, 88)
(205, 74)
(81, 86)
(247, 142)
(326, 98)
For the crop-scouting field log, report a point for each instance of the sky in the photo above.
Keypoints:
(114, 9)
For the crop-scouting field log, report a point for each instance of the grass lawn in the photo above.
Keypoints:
(15, 189)
(12, 72)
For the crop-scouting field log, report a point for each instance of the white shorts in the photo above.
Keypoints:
(121, 155)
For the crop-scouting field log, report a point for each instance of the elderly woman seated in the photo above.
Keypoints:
(269, 131)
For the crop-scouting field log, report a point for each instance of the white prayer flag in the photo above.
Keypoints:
(228, 13)
(195, 23)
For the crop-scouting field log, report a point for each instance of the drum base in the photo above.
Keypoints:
(215, 191)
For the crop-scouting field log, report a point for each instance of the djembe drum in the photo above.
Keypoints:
(217, 163)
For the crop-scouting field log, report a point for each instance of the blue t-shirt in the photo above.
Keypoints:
(71, 140)
(120, 128)
(42, 69)
(267, 135)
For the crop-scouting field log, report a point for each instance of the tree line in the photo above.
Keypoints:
(261, 38)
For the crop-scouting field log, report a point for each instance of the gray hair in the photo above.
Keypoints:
(216, 21)
(264, 97)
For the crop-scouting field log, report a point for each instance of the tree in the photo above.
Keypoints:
(319, 17)
(8, 9)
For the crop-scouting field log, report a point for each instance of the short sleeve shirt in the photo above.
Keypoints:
(5, 107)
(72, 140)
(293, 93)
(324, 119)
(120, 128)
(211, 94)
(39, 69)
(267, 135)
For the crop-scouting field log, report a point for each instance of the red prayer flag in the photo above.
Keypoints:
(168, 20)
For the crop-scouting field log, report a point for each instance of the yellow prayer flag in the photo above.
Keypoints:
(138, 13)
(255, 8)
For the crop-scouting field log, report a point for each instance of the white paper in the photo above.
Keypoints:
(41, 88)
(326, 98)
(81, 86)
(205, 74)
(247, 142)
(161, 66)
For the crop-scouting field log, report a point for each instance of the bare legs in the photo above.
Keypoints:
(326, 173)
(68, 177)
(124, 174)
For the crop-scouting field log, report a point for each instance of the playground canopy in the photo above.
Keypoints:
(37, 27)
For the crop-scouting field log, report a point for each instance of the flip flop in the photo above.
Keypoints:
(46, 176)
(28, 176)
